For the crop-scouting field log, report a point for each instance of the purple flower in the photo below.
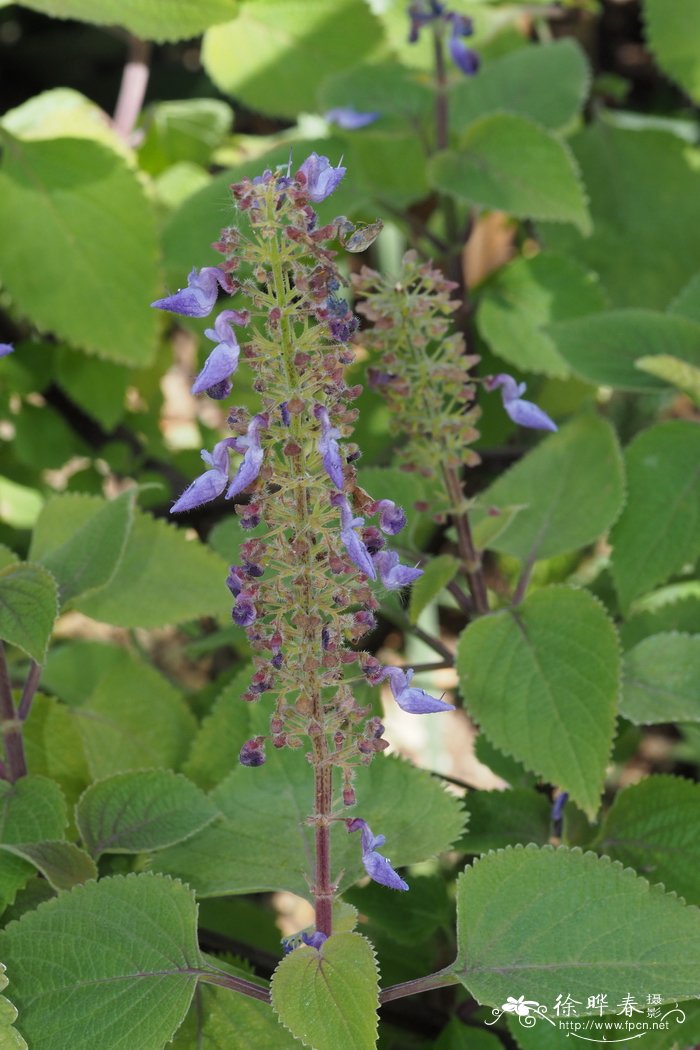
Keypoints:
(357, 552)
(198, 298)
(252, 460)
(328, 447)
(315, 939)
(320, 176)
(244, 612)
(377, 867)
(558, 806)
(391, 518)
(460, 26)
(223, 360)
(525, 413)
(463, 57)
(210, 484)
(6, 348)
(410, 698)
(392, 574)
(350, 119)
(253, 752)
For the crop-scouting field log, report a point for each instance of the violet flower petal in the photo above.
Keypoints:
(525, 413)
(392, 574)
(380, 870)
(6, 348)
(463, 57)
(356, 550)
(410, 698)
(350, 119)
(328, 447)
(202, 490)
(321, 177)
(315, 939)
(391, 518)
(198, 298)
(223, 360)
(252, 459)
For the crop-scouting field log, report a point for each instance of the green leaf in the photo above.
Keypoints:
(10, 1039)
(158, 20)
(134, 720)
(183, 130)
(673, 35)
(436, 575)
(112, 962)
(74, 668)
(98, 390)
(571, 485)
(544, 922)
(653, 827)
(262, 842)
(7, 556)
(28, 607)
(330, 997)
(219, 1019)
(389, 166)
(31, 810)
(512, 164)
(661, 680)
(521, 82)
(138, 812)
(213, 753)
(63, 113)
(81, 540)
(76, 206)
(687, 302)
(659, 529)
(54, 747)
(542, 682)
(458, 1036)
(19, 504)
(409, 920)
(273, 43)
(672, 370)
(63, 864)
(388, 88)
(406, 490)
(44, 439)
(606, 348)
(505, 818)
(671, 611)
(637, 230)
(163, 578)
(524, 298)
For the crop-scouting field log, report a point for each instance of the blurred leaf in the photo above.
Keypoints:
(262, 842)
(659, 529)
(99, 388)
(673, 36)
(73, 205)
(163, 578)
(387, 88)
(437, 573)
(74, 667)
(63, 113)
(525, 297)
(680, 612)
(542, 681)
(183, 130)
(390, 166)
(220, 735)
(406, 490)
(505, 818)
(522, 83)
(134, 720)
(275, 53)
(456, 1035)
(409, 920)
(28, 607)
(564, 912)
(63, 864)
(509, 163)
(687, 302)
(219, 1019)
(43, 438)
(136, 983)
(605, 348)
(19, 505)
(645, 206)
(157, 20)
(81, 540)
(675, 372)
(341, 980)
(571, 486)
(661, 680)
(7, 557)
(142, 811)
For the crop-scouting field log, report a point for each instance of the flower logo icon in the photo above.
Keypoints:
(520, 1006)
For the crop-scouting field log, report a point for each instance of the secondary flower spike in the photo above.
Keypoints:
(210, 484)
(377, 867)
(524, 413)
(198, 298)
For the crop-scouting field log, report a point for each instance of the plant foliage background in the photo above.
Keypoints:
(572, 172)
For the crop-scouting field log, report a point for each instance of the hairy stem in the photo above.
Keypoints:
(468, 553)
(237, 984)
(132, 89)
(16, 765)
(30, 688)
(420, 984)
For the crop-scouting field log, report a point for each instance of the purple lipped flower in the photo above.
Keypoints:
(198, 298)
(223, 360)
(392, 573)
(327, 445)
(284, 412)
(465, 58)
(357, 552)
(349, 119)
(377, 867)
(391, 518)
(6, 348)
(210, 484)
(320, 176)
(558, 806)
(253, 456)
(315, 939)
(421, 14)
(410, 698)
(244, 612)
(525, 413)
(253, 752)
(234, 581)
